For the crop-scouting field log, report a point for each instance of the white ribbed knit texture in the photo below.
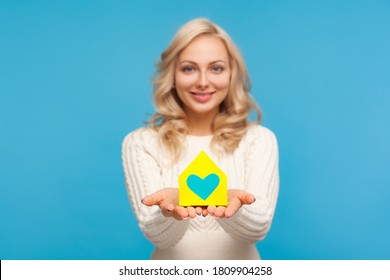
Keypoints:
(253, 166)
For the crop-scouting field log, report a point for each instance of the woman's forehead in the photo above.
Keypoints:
(205, 48)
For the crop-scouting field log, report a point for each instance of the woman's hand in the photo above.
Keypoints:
(168, 201)
(236, 198)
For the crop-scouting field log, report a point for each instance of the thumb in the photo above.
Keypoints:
(247, 198)
(151, 200)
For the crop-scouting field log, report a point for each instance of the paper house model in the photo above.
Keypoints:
(202, 183)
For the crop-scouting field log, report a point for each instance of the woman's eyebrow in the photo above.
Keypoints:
(187, 61)
(193, 62)
(218, 61)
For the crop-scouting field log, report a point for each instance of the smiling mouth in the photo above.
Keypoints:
(202, 94)
(202, 97)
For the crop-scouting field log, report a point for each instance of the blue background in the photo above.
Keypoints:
(75, 79)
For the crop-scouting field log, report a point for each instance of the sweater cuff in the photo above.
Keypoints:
(247, 224)
(163, 232)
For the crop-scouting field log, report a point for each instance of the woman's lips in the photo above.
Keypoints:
(202, 97)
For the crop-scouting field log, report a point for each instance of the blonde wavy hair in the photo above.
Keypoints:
(170, 120)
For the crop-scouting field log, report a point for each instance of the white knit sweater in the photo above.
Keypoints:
(253, 167)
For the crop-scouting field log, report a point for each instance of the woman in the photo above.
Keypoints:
(201, 92)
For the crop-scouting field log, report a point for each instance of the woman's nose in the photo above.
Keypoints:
(202, 81)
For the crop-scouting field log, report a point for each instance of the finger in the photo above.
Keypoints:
(211, 209)
(181, 211)
(219, 212)
(167, 213)
(204, 212)
(176, 216)
(233, 207)
(198, 210)
(191, 212)
(149, 200)
(153, 199)
(247, 198)
(167, 207)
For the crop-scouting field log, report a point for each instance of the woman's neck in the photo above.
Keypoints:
(200, 124)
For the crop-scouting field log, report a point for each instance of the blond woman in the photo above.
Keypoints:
(202, 99)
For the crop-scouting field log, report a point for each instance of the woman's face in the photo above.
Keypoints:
(202, 76)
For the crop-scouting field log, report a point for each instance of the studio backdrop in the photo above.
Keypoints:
(75, 79)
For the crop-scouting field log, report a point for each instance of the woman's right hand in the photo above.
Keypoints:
(168, 201)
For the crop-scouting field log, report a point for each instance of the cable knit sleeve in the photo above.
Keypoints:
(261, 176)
(140, 154)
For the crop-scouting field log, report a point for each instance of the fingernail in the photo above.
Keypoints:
(169, 210)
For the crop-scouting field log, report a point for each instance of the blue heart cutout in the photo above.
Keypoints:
(203, 187)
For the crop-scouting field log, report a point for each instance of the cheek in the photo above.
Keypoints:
(222, 81)
(184, 81)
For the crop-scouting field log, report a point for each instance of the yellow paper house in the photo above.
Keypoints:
(202, 183)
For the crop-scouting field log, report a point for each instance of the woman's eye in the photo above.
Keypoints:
(217, 69)
(187, 69)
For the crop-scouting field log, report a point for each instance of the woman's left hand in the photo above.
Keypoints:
(236, 198)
